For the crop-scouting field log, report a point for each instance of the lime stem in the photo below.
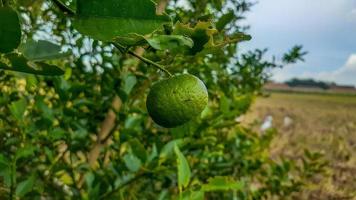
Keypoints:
(145, 60)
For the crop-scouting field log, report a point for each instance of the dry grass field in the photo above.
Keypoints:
(321, 122)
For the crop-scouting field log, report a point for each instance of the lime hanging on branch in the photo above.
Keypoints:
(176, 100)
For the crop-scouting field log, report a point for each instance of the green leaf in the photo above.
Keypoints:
(5, 171)
(163, 195)
(25, 186)
(221, 183)
(184, 172)
(138, 149)
(225, 20)
(207, 40)
(107, 19)
(131, 40)
(170, 42)
(201, 34)
(25, 151)
(167, 150)
(153, 153)
(4, 162)
(132, 162)
(129, 82)
(216, 46)
(57, 134)
(192, 195)
(42, 50)
(89, 178)
(46, 111)
(18, 109)
(10, 31)
(65, 5)
(224, 104)
(19, 63)
(218, 4)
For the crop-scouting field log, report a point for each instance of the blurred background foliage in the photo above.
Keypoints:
(87, 134)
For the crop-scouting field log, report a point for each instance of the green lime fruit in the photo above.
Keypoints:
(176, 100)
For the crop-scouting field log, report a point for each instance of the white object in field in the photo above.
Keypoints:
(239, 119)
(287, 121)
(267, 123)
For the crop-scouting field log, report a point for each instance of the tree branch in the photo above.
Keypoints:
(106, 127)
(161, 7)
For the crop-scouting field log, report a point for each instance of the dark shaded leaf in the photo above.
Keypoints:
(201, 34)
(225, 20)
(25, 186)
(10, 31)
(138, 149)
(19, 63)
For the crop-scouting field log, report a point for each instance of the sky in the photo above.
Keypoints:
(325, 28)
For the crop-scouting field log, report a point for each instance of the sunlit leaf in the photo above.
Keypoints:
(42, 50)
(170, 42)
(132, 162)
(167, 150)
(183, 168)
(221, 183)
(192, 195)
(107, 19)
(129, 82)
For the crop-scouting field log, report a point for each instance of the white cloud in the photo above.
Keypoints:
(284, 74)
(343, 75)
(326, 29)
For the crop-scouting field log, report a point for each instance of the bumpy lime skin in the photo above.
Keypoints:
(176, 100)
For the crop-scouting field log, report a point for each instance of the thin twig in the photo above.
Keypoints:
(145, 60)
(107, 127)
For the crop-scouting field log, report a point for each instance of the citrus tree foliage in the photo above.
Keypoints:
(74, 76)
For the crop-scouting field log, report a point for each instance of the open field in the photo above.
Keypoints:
(322, 122)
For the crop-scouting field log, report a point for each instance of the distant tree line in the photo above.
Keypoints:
(308, 83)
